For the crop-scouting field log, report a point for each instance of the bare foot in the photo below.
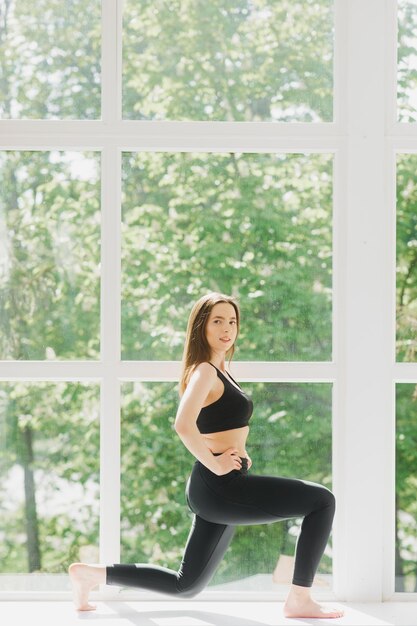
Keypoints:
(83, 578)
(307, 607)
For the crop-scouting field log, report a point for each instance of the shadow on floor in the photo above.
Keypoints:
(190, 617)
(179, 617)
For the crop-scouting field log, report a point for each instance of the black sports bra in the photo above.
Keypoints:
(232, 410)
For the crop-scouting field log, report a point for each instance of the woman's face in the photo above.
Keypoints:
(221, 328)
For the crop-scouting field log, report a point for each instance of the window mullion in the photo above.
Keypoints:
(110, 357)
(366, 391)
(111, 80)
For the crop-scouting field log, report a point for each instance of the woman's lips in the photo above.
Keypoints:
(225, 340)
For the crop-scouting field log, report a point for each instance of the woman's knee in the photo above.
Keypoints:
(190, 591)
(326, 498)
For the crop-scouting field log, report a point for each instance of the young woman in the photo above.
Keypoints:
(212, 422)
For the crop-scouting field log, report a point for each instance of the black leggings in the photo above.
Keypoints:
(219, 504)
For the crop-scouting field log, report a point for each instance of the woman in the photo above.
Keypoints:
(212, 422)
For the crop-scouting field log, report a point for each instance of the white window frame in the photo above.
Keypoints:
(364, 138)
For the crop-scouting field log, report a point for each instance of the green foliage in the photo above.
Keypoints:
(406, 484)
(50, 278)
(63, 420)
(406, 258)
(228, 60)
(255, 225)
(50, 65)
(406, 72)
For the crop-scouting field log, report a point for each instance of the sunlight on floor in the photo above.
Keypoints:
(201, 614)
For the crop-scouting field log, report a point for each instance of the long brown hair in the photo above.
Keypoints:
(196, 348)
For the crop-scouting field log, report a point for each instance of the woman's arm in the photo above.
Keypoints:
(198, 388)
(249, 459)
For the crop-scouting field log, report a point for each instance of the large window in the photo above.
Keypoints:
(154, 151)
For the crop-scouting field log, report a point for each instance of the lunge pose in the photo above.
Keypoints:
(212, 422)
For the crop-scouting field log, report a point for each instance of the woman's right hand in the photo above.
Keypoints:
(228, 461)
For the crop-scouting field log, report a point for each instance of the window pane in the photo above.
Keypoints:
(50, 55)
(258, 226)
(228, 60)
(406, 486)
(49, 496)
(290, 436)
(50, 255)
(407, 61)
(406, 258)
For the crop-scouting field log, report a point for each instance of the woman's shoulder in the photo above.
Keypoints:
(206, 369)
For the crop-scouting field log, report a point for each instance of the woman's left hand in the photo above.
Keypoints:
(249, 460)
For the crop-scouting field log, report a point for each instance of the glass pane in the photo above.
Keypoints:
(406, 486)
(49, 496)
(406, 265)
(227, 60)
(407, 61)
(51, 63)
(290, 436)
(50, 255)
(258, 226)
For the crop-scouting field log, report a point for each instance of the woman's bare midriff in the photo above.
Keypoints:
(234, 438)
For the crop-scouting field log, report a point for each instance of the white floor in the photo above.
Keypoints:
(194, 613)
